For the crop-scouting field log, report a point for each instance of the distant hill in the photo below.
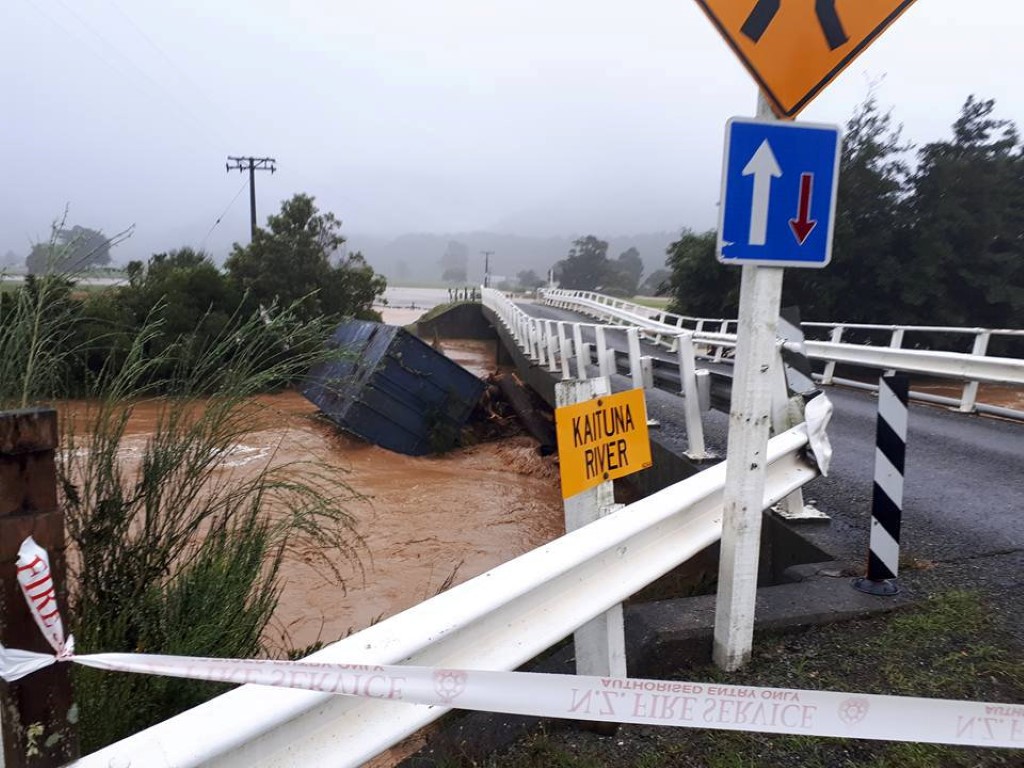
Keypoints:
(415, 258)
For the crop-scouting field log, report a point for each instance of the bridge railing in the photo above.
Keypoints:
(559, 346)
(970, 368)
(496, 621)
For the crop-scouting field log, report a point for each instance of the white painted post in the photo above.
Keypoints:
(970, 394)
(563, 348)
(691, 399)
(552, 347)
(585, 349)
(600, 643)
(718, 350)
(830, 367)
(749, 420)
(602, 348)
(538, 337)
(647, 371)
(609, 360)
(635, 371)
(579, 349)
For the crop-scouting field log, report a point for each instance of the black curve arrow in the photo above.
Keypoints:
(835, 35)
(760, 17)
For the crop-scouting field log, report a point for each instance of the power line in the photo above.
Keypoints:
(245, 183)
(253, 164)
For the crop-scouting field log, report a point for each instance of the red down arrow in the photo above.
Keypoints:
(802, 225)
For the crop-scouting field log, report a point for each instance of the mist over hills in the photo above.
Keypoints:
(416, 258)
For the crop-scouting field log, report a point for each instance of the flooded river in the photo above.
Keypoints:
(423, 521)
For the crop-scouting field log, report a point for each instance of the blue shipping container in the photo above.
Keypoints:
(393, 390)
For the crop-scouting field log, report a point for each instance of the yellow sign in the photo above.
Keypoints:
(602, 439)
(795, 48)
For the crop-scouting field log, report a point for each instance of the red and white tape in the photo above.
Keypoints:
(617, 700)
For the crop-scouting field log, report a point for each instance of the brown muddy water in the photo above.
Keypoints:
(423, 521)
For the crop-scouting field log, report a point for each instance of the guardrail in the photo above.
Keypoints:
(971, 368)
(496, 621)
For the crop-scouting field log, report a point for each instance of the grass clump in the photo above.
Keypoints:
(170, 549)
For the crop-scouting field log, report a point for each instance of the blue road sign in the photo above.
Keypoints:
(778, 193)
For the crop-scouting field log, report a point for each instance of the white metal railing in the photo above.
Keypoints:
(558, 346)
(496, 621)
(970, 368)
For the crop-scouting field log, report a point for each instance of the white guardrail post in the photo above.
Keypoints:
(563, 349)
(635, 370)
(970, 393)
(691, 398)
(604, 368)
(582, 351)
(552, 346)
(830, 367)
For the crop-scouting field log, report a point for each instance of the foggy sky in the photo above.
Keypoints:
(536, 117)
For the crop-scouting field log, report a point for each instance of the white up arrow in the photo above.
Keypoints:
(763, 166)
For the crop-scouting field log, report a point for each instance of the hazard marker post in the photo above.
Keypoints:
(887, 495)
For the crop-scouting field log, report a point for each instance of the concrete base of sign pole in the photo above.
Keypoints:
(750, 418)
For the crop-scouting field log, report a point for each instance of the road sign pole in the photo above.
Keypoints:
(601, 642)
(749, 422)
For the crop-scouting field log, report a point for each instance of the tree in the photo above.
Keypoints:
(966, 252)
(291, 261)
(529, 280)
(861, 284)
(625, 273)
(587, 267)
(181, 290)
(700, 286)
(656, 283)
(455, 263)
(70, 251)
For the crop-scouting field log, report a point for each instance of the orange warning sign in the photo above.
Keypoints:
(602, 439)
(795, 48)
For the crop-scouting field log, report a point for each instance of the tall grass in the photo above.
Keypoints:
(173, 551)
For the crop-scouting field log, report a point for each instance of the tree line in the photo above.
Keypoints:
(937, 241)
(182, 299)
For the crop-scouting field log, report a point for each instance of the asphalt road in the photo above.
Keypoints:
(963, 493)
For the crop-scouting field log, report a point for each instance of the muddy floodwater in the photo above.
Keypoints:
(424, 518)
(422, 521)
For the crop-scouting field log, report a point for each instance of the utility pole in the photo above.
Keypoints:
(487, 267)
(252, 164)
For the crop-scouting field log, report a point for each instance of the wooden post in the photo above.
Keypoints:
(37, 714)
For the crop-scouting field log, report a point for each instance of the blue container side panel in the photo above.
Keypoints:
(391, 388)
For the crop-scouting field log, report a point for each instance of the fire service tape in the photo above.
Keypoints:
(608, 699)
(616, 700)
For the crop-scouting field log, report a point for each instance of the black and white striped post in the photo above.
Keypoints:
(887, 497)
